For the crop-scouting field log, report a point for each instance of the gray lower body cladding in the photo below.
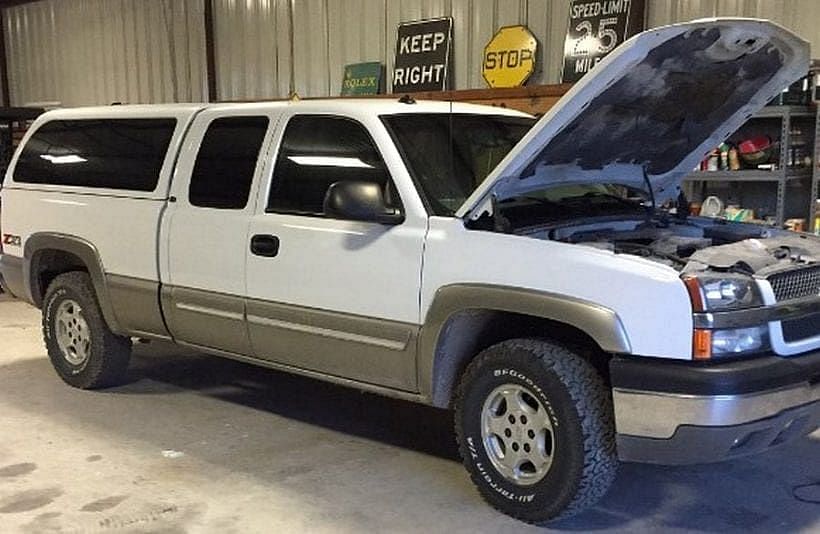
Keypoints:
(360, 348)
(11, 275)
(364, 349)
(136, 305)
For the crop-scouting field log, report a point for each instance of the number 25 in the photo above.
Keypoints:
(605, 35)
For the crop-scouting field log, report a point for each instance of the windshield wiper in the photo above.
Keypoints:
(539, 200)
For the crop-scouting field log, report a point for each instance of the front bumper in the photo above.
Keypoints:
(685, 412)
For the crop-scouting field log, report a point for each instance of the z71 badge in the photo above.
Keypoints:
(12, 240)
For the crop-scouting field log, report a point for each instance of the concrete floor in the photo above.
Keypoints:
(200, 444)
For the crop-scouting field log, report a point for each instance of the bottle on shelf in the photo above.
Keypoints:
(724, 156)
(734, 159)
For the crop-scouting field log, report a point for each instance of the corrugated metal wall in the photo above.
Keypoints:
(253, 47)
(800, 16)
(331, 33)
(98, 51)
(81, 52)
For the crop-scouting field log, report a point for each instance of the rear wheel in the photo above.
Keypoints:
(535, 427)
(81, 347)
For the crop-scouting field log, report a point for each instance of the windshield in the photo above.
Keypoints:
(449, 155)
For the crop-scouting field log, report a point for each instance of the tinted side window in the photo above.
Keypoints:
(107, 153)
(223, 171)
(316, 152)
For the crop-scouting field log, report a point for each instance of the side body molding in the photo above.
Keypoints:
(85, 251)
(435, 375)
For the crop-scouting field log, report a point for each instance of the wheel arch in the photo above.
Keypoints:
(467, 318)
(48, 255)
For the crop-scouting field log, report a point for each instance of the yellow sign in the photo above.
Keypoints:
(509, 57)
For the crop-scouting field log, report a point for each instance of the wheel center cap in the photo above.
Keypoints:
(518, 430)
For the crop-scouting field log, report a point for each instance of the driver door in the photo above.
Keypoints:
(334, 296)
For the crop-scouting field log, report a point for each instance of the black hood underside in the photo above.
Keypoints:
(671, 103)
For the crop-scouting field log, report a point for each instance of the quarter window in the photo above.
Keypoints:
(102, 153)
(318, 151)
(226, 161)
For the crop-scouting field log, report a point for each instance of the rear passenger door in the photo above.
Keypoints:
(335, 296)
(207, 228)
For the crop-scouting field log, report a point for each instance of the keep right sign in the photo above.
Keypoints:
(509, 57)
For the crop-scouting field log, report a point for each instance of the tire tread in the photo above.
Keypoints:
(108, 367)
(593, 402)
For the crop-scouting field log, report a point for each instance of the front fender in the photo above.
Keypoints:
(600, 323)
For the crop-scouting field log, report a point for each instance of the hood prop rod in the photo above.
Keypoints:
(649, 189)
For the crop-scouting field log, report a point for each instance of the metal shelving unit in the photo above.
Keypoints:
(785, 178)
(13, 123)
(779, 111)
(815, 175)
(749, 176)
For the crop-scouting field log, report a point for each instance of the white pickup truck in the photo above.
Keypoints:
(521, 272)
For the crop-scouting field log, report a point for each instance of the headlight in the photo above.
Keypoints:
(722, 292)
(725, 292)
(726, 343)
(739, 341)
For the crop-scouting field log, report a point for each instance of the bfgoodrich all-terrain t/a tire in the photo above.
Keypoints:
(83, 350)
(535, 428)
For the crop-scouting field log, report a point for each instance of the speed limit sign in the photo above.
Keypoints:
(595, 29)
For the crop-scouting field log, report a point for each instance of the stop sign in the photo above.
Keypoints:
(509, 57)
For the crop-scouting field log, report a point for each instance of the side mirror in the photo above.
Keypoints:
(360, 201)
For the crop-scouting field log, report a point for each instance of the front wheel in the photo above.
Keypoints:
(535, 428)
(83, 350)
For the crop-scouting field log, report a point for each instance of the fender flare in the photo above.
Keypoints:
(600, 323)
(82, 249)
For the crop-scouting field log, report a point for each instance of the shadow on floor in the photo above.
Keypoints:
(391, 421)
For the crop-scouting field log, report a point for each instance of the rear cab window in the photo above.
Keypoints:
(119, 154)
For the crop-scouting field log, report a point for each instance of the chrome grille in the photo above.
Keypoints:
(796, 283)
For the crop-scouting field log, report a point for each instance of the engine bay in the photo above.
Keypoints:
(689, 245)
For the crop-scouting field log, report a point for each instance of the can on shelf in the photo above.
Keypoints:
(796, 225)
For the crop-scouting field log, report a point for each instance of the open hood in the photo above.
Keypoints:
(651, 110)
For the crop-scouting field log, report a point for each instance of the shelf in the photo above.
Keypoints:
(770, 112)
(799, 174)
(788, 185)
(748, 176)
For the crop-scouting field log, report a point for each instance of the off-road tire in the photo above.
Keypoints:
(108, 355)
(579, 406)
